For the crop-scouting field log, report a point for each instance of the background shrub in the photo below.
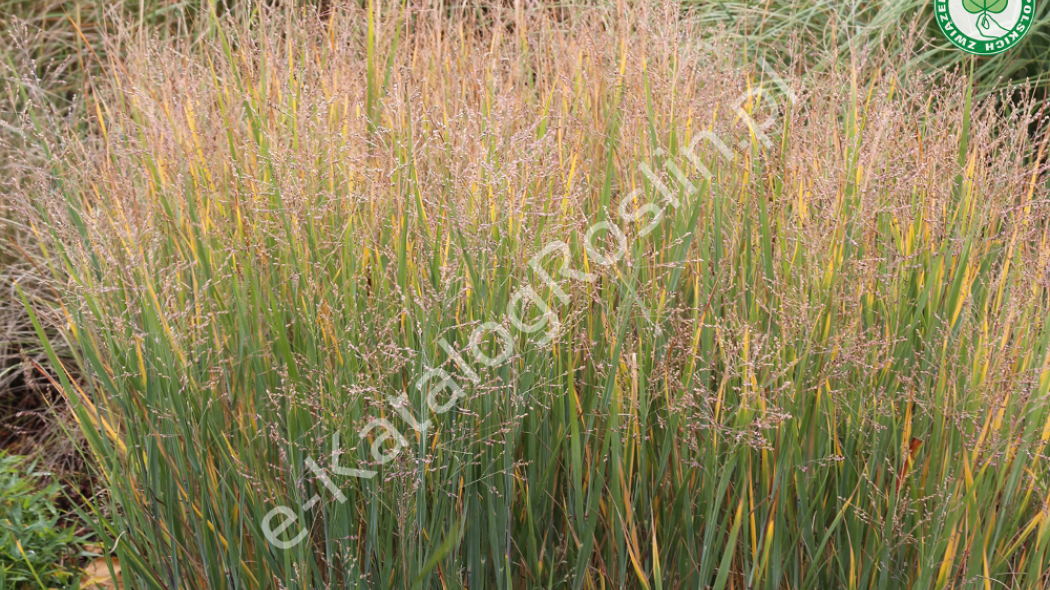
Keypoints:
(840, 28)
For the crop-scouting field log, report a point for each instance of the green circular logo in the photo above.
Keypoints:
(984, 27)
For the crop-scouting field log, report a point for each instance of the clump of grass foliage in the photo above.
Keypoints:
(827, 367)
(49, 54)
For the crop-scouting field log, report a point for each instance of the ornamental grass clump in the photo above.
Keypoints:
(420, 297)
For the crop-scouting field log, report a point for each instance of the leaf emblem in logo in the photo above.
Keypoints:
(984, 8)
(993, 6)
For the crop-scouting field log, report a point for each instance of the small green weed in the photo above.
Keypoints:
(36, 549)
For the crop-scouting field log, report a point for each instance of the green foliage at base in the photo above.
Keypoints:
(37, 550)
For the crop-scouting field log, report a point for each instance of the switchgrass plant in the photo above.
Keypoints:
(817, 361)
(24, 425)
(49, 54)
